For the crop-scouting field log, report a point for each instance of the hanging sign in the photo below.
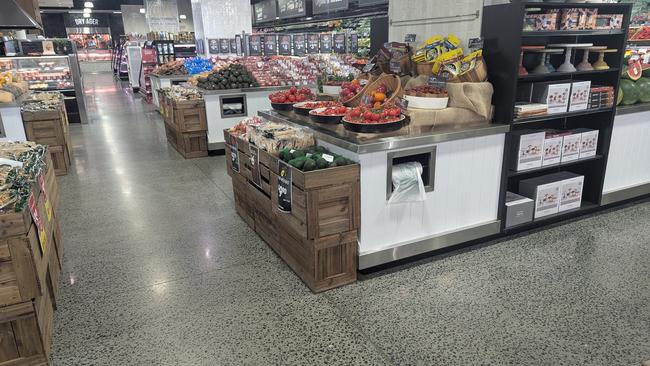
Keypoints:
(354, 43)
(234, 155)
(233, 45)
(312, 43)
(291, 9)
(326, 6)
(224, 45)
(284, 45)
(284, 186)
(339, 42)
(326, 43)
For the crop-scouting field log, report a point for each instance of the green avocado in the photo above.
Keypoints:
(285, 155)
(309, 165)
(298, 163)
(298, 153)
(340, 161)
(322, 164)
(320, 149)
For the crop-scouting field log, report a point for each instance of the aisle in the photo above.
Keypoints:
(160, 270)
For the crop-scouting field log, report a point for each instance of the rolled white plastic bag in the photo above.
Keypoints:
(407, 183)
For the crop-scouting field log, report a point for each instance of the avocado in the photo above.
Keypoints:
(298, 153)
(298, 163)
(340, 161)
(322, 164)
(320, 149)
(309, 165)
(285, 154)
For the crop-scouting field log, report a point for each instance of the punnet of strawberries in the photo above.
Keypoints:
(292, 95)
(387, 113)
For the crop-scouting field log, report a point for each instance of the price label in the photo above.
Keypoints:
(312, 43)
(46, 198)
(234, 155)
(255, 165)
(270, 45)
(325, 43)
(298, 44)
(403, 104)
(284, 45)
(475, 44)
(354, 43)
(284, 186)
(410, 37)
(339, 42)
(369, 67)
(329, 158)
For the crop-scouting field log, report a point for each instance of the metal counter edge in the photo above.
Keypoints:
(393, 143)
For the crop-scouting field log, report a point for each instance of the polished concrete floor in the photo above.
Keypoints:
(159, 270)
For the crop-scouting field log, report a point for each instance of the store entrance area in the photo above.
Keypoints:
(159, 269)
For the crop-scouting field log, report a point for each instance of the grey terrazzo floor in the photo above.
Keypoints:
(159, 270)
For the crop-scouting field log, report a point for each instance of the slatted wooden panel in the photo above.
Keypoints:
(46, 132)
(194, 144)
(60, 159)
(22, 337)
(189, 116)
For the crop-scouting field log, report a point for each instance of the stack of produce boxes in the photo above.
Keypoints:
(46, 122)
(301, 199)
(186, 125)
(31, 250)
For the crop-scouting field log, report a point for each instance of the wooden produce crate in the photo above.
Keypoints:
(189, 116)
(188, 144)
(45, 127)
(26, 332)
(60, 159)
(50, 182)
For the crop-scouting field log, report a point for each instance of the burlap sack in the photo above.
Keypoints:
(468, 103)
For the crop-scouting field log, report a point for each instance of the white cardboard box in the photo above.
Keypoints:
(571, 191)
(545, 192)
(530, 148)
(553, 147)
(588, 142)
(579, 95)
(557, 98)
(571, 147)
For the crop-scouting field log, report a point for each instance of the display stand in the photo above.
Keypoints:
(504, 37)
(164, 81)
(224, 108)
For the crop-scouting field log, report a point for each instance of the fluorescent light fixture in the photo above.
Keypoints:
(86, 15)
(87, 11)
(142, 11)
(309, 18)
(117, 12)
(183, 16)
(88, 4)
(276, 18)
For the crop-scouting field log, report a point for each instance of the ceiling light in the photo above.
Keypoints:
(87, 11)
(309, 18)
(86, 15)
(142, 11)
(183, 16)
(88, 4)
(117, 12)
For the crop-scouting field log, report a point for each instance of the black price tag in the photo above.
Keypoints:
(254, 45)
(298, 44)
(395, 66)
(224, 45)
(284, 45)
(410, 38)
(403, 104)
(354, 43)
(255, 165)
(270, 45)
(312, 43)
(326, 43)
(437, 81)
(233, 45)
(475, 44)
(213, 46)
(234, 155)
(284, 186)
(369, 67)
(339, 42)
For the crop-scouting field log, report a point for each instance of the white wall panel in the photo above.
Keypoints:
(628, 163)
(467, 181)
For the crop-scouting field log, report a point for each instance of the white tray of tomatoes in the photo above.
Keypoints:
(330, 115)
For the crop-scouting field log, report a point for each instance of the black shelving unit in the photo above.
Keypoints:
(502, 30)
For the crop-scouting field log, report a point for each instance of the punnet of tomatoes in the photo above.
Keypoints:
(364, 114)
(331, 111)
(292, 95)
(349, 90)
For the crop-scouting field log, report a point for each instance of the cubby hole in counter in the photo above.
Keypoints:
(425, 156)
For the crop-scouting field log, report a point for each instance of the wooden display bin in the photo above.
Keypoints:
(189, 116)
(188, 144)
(51, 128)
(318, 239)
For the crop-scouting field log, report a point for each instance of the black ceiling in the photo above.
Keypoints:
(104, 4)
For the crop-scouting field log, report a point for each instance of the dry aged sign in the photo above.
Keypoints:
(255, 165)
(284, 186)
(234, 155)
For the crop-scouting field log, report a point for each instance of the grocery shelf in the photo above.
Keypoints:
(518, 121)
(513, 173)
(553, 75)
(564, 33)
(585, 207)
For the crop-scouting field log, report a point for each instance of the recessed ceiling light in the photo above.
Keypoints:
(88, 4)
(87, 11)
(309, 18)
(142, 11)
(117, 12)
(86, 15)
(183, 16)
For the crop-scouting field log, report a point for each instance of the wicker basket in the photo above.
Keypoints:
(424, 68)
(355, 100)
(391, 81)
(476, 75)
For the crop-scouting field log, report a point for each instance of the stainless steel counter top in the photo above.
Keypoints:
(635, 108)
(249, 90)
(171, 77)
(410, 136)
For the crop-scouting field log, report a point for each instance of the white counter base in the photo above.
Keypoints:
(12, 124)
(628, 164)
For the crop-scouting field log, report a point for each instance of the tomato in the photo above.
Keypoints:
(342, 110)
(355, 113)
(376, 117)
(293, 90)
(281, 99)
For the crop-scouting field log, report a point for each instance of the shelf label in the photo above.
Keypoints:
(255, 165)
(284, 45)
(234, 155)
(33, 209)
(312, 43)
(339, 42)
(284, 186)
(326, 43)
(298, 44)
(410, 37)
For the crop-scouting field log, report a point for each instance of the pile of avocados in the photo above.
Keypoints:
(312, 158)
(234, 76)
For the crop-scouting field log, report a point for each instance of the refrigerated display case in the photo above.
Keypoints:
(51, 73)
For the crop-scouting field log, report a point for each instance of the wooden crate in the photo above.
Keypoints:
(243, 202)
(50, 182)
(189, 116)
(26, 332)
(188, 144)
(60, 159)
(23, 267)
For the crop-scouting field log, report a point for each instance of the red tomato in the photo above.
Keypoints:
(367, 115)
(281, 99)
(355, 113)
(375, 117)
(293, 90)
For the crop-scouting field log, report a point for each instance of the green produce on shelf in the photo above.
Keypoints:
(619, 98)
(313, 158)
(630, 92)
(643, 86)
